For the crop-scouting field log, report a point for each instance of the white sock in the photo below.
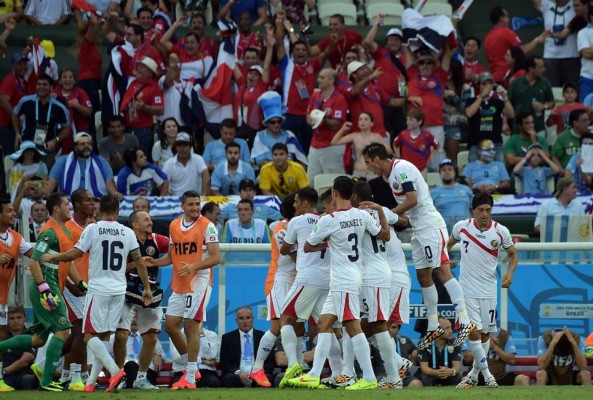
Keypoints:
(363, 355)
(324, 342)
(431, 300)
(95, 371)
(65, 377)
(340, 340)
(387, 351)
(266, 344)
(75, 372)
(300, 350)
(192, 368)
(141, 376)
(480, 357)
(486, 347)
(1, 369)
(335, 356)
(456, 294)
(101, 352)
(289, 344)
(399, 361)
(347, 355)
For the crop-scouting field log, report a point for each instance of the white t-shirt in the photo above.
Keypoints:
(400, 276)
(185, 177)
(159, 155)
(172, 99)
(585, 41)
(375, 265)
(109, 244)
(423, 215)
(558, 16)
(479, 256)
(312, 268)
(344, 231)
(47, 12)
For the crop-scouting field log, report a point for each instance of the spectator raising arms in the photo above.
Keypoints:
(534, 170)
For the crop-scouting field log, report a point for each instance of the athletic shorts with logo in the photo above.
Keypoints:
(101, 312)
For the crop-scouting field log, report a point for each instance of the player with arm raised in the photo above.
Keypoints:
(481, 239)
(429, 242)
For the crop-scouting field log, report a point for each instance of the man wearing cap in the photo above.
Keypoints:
(345, 39)
(568, 143)
(486, 174)
(187, 170)
(82, 169)
(12, 89)
(451, 198)
(516, 147)
(326, 113)
(40, 12)
(113, 146)
(228, 174)
(261, 210)
(392, 61)
(484, 113)
(564, 202)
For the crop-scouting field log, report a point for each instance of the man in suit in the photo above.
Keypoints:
(237, 352)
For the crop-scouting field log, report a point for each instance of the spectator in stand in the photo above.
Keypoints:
(568, 143)
(415, 144)
(439, 365)
(232, 10)
(161, 21)
(186, 171)
(143, 18)
(82, 169)
(11, 9)
(573, 170)
(515, 149)
(501, 38)
(535, 170)
(9, 26)
(245, 228)
(163, 148)
(211, 211)
(343, 83)
(560, 55)
(391, 59)
(326, 113)
(113, 147)
(142, 101)
(344, 38)
(560, 116)
(16, 366)
(12, 89)
(215, 152)
(281, 176)
(485, 116)
(561, 359)
(486, 174)
(405, 347)
(197, 25)
(451, 198)
(228, 174)
(103, 8)
(39, 12)
(472, 68)
(514, 60)
(295, 10)
(261, 153)
(564, 202)
(577, 23)
(261, 209)
(454, 118)
(246, 41)
(38, 216)
(533, 93)
(29, 191)
(141, 178)
(585, 46)
(176, 91)
(27, 163)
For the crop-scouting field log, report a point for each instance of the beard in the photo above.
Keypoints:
(447, 180)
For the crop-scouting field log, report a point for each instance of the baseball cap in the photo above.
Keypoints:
(394, 31)
(246, 184)
(182, 137)
(81, 135)
(446, 161)
(485, 76)
(562, 183)
(257, 68)
(354, 66)
(150, 64)
(48, 47)
(17, 58)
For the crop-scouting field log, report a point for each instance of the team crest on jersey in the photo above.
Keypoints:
(494, 243)
(422, 148)
(395, 186)
(450, 349)
(309, 69)
(403, 176)
(150, 250)
(62, 320)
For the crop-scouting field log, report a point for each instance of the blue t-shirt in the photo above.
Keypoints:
(241, 6)
(260, 211)
(534, 180)
(227, 184)
(453, 202)
(576, 174)
(480, 174)
(57, 171)
(215, 152)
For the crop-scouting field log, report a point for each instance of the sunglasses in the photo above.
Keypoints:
(275, 122)
(425, 62)
(283, 189)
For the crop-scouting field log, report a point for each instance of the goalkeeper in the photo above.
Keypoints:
(50, 314)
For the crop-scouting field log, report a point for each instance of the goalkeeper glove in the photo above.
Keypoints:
(82, 287)
(49, 301)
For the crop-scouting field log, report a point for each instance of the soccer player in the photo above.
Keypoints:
(481, 238)
(148, 318)
(280, 277)
(193, 251)
(310, 288)
(343, 231)
(45, 292)
(429, 249)
(13, 245)
(109, 244)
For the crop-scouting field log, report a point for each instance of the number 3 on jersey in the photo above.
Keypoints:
(353, 238)
(113, 258)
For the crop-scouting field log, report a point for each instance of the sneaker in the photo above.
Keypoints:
(343, 381)
(260, 378)
(198, 375)
(4, 387)
(387, 384)
(183, 384)
(304, 381)
(37, 371)
(144, 384)
(406, 366)
(290, 373)
(361, 384)
(463, 332)
(52, 387)
(77, 386)
(115, 380)
(430, 337)
(467, 382)
(330, 382)
(89, 387)
(490, 382)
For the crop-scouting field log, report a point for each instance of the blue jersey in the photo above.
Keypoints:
(534, 180)
(453, 202)
(481, 174)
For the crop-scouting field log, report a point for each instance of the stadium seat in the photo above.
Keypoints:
(98, 127)
(8, 164)
(433, 179)
(462, 158)
(437, 9)
(328, 9)
(393, 12)
(557, 91)
(324, 181)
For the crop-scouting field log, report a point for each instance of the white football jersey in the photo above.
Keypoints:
(312, 268)
(344, 231)
(479, 256)
(424, 214)
(400, 276)
(375, 265)
(109, 244)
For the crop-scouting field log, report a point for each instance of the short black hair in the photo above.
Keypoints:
(586, 135)
(208, 208)
(344, 186)
(46, 77)
(287, 207)
(143, 9)
(138, 30)
(519, 118)
(231, 144)
(325, 195)
(251, 49)
(109, 204)
(54, 200)
(482, 198)
(4, 199)
(375, 150)
(475, 39)
(134, 217)
(117, 118)
(496, 14)
(280, 146)
(131, 155)
(308, 194)
(77, 196)
(228, 123)
(188, 195)
(299, 41)
(530, 61)
(363, 191)
(339, 17)
(246, 201)
(141, 198)
(575, 115)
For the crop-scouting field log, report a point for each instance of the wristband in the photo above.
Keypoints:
(454, 372)
(43, 287)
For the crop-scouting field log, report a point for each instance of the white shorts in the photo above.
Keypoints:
(429, 248)
(3, 314)
(100, 312)
(374, 303)
(482, 312)
(345, 306)
(399, 305)
(303, 302)
(147, 319)
(74, 304)
(190, 305)
(276, 298)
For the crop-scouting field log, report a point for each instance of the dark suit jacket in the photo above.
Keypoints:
(230, 352)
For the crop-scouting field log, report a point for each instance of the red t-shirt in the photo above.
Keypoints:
(78, 121)
(416, 150)
(496, 44)
(245, 103)
(14, 88)
(128, 63)
(351, 38)
(147, 92)
(473, 68)
(342, 82)
(561, 113)
(391, 76)
(89, 61)
(431, 90)
(298, 84)
(370, 100)
(244, 42)
(208, 47)
(335, 107)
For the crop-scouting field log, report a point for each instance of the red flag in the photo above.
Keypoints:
(83, 5)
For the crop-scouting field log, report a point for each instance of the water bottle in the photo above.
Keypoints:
(538, 113)
(402, 87)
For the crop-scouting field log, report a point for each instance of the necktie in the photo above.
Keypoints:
(136, 343)
(248, 350)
